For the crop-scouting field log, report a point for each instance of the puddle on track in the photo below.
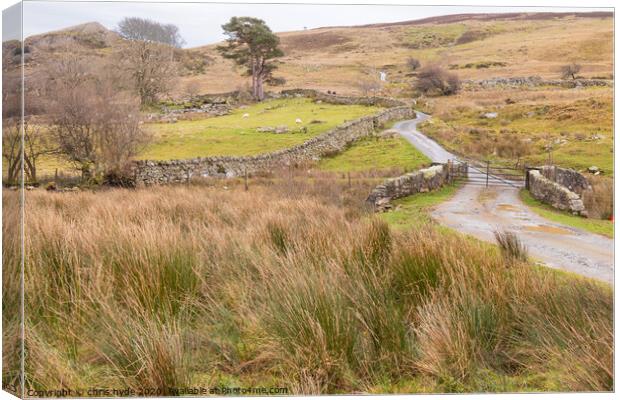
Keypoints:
(547, 229)
(507, 207)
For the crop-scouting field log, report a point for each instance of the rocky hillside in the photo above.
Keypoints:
(86, 40)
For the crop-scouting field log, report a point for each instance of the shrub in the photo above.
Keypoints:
(413, 63)
(570, 70)
(434, 80)
(470, 36)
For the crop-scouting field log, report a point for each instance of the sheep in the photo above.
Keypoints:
(246, 115)
(298, 121)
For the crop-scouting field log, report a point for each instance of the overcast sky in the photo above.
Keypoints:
(200, 23)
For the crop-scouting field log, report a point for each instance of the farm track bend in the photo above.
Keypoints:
(479, 211)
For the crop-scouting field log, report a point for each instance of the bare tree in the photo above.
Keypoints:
(34, 145)
(22, 137)
(11, 149)
(151, 69)
(191, 90)
(148, 56)
(146, 30)
(570, 70)
(413, 63)
(94, 126)
(435, 80)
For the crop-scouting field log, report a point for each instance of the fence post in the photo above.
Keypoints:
(527, 177)
(245, 178)
(488, 173)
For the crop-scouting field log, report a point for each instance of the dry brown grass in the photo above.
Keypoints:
(576, 123)
(599, 202)
(289, 284)
(335, 58)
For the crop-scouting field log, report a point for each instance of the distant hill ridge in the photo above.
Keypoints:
(452, 18)
(474, 46)
(96, 27)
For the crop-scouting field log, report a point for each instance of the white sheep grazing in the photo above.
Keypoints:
(298, 121)
(246, 115)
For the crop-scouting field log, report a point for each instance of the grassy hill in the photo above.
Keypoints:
(337, 58)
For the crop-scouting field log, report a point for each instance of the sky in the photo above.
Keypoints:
(200, 23)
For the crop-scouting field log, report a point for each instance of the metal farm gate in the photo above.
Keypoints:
(487, 174)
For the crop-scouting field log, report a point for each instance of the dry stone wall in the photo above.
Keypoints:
(343, 100)
(533, 81)
(552, 186)
(148, 172)
(568, 178)
(420, 181)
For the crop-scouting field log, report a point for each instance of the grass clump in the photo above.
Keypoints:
(196, 284)
(511, 247)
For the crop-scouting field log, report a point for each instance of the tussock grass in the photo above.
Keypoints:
(511, 246)
(289, 284)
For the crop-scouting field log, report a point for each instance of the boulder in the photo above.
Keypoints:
(389, 134)
(266, 129)
(281, 129)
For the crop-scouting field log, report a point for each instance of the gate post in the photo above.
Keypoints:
(488, 162)
(527, 177)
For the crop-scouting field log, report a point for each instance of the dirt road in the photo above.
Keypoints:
(428, 147)
(480, 211)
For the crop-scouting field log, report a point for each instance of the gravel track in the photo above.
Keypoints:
(479, 211)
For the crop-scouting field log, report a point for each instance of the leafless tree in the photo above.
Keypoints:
(22, 137)
(435, 80)
(34, 145)
(570, 70)
(11, 149)
(96, 128)
(413, 63)
(191, 90)
(146, 30)
(150, 67)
